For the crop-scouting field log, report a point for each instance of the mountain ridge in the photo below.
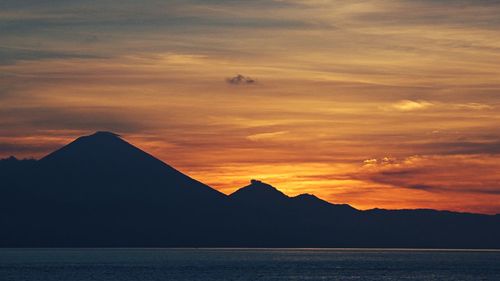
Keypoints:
(117, 138)
(101, 191)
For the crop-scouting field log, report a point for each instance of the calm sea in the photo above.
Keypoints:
(246, 264)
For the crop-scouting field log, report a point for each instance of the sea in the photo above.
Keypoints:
(125, 264)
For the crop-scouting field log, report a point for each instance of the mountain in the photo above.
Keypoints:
(269, 218)
(105, 159)
(101, 191)
(97, 187)
(259, 194)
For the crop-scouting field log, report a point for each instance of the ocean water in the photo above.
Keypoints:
(246, 264)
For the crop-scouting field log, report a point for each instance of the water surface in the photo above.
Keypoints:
(246, 264)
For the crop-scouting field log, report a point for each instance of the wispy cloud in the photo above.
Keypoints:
(440, 174)
(473, 106)
(13, 55)
(266, 136)
(410, 105)
(417, 105)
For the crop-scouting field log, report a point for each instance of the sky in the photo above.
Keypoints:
(390, 104)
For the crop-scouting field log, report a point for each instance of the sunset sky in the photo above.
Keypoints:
(389, 104)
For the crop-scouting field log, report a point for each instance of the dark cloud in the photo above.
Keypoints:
(424, 187)
(67, 19)
(437, 174)
(482, 140)
(14, 148)
(35, 131)
(434, 188)
(437, 12)
(74, 118)
(240, 80)
(462, 147)
(12, 55)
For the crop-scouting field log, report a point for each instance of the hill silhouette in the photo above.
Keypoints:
(101, 191)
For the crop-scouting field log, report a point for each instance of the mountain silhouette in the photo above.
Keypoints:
(105, 158)
(101, 191)
(259, 194)
(98, 187)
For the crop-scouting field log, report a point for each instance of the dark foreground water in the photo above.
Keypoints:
(246, 264)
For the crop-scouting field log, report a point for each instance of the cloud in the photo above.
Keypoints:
(240, 80)
(74, 118)
(415, 105)
(410, 105)
(15, 148)
(12, 55)
(461, 147)
(473, 106)
(473, 174)
(266, 136)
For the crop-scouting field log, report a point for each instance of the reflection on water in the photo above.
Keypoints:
(246, 264)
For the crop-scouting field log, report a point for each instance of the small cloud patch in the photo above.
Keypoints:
(411, 105)
(474, 106)
(240, 80)
(267, 136)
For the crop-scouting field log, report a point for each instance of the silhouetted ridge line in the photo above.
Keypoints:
(101, 191)
(98, 142)
(105, 134)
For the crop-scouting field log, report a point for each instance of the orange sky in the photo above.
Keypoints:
(390, 104)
